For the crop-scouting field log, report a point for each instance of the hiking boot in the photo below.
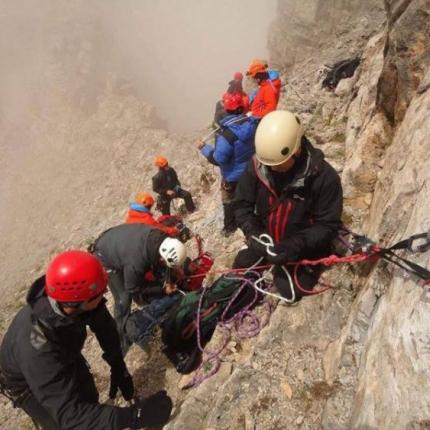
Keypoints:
(184, 361)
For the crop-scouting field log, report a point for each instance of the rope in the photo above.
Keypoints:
(213, 358)
(373, 253)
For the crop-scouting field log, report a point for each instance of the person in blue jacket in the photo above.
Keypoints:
(234, 146)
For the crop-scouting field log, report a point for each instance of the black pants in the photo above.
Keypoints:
(41, 416)
(227, 195)
(307, 275)
(163, 201)
(122, 306)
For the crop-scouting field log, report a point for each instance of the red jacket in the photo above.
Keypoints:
(134, 217)
(267, 97)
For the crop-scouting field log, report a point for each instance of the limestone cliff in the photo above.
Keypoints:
(357, 357)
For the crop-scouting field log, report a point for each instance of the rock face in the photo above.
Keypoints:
(391, 312)
(303, 29)
(357, 357)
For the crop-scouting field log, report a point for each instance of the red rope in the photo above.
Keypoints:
(326, 261)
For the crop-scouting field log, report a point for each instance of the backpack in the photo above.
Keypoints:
(223, 299)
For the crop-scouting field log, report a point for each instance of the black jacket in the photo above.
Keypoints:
(131, 249)
(41, 351)
(304, 215)
(165, 179)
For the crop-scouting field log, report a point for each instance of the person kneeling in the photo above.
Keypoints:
(288, 204)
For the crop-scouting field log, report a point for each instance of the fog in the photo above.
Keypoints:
(183, 57)
(177, 54)
(59, 58)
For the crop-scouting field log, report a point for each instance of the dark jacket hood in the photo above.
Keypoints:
(43, 310)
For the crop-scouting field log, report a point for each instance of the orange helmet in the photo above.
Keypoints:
(257, 66)
(161, 161)
(145, 199)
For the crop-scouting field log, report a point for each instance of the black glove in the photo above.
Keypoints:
(120, 378)
(277, 255)
(274, 254)
(256, 246)
(289, 250)
(153, 411)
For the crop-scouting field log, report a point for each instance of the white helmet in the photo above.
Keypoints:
(173, 252)
(278, 137)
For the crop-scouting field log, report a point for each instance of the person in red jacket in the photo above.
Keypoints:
(269, 88)
(140, 212)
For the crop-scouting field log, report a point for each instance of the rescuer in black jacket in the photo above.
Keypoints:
(288, 203)
(166, 184)
(128, 252)
(42, 369)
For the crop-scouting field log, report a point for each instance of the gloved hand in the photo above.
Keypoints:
(257, 245)
(277, 254)
(290, 250)
(120, 378)
(153, 411)
(274, 254)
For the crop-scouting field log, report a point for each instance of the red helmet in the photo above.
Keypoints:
(232, 101)
(238, 76)
(75, 276)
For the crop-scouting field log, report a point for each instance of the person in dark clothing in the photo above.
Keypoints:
(42, 369)
(288, 203)
(129, 252)
(235, 86)
(234, 146)
(166, 184)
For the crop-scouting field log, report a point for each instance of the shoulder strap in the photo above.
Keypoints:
(226, 132)
(229, 136)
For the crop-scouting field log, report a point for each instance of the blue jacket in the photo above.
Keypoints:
(232, 157)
